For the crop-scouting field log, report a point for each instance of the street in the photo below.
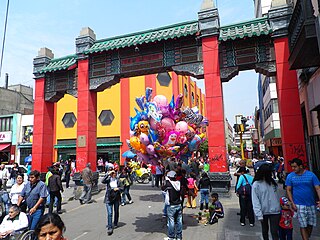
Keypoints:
(143, 219)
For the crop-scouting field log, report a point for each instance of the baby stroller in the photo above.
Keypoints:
(142, 175)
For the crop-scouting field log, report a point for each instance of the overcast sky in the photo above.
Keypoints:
(33, 24)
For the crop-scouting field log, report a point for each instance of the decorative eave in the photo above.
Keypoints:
(153, 35)
(59, 64)
(256, 27)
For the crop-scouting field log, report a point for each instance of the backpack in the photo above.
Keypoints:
(246, 189)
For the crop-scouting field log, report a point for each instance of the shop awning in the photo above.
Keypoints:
(109, 144)
(4, 146)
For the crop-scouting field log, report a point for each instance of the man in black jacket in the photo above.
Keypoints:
(55, 186)
(173, 201)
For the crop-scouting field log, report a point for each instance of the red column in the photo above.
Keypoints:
(42, 146)
(125, 115)
(293, 143)
(86, 119)
(214, 105)
(175, 85)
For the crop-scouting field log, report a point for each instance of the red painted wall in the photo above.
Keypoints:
(214, 105)
(289, 106)
(42, 147)
(87, 118)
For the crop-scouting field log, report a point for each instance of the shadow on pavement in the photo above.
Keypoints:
(152, 198)
(159, 223)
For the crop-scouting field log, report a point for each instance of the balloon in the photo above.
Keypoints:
(191, 117)
(165, 111)
(140, 102)
(171, 104)
(134, 120)
(194, 143)
(160, 100)
(143, 157)
(153, 123)
(182, 127)
(181, 139)
(153, 111)
(152, 135)
(168, 124)
(144, 138)
(150, 149)
(161, 131)
(179, 101)
(171, 138)
(190, 133)
(143, 127)
(135, 142)
(148, 94)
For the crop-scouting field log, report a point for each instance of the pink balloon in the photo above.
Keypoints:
(160, 100)
(182, 127)
(168, 124)
(144, 138)
(153, 123)
(150, 149)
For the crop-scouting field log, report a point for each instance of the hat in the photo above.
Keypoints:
(171, 174)
(284, 201)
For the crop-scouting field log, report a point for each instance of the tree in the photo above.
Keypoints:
(203, 148)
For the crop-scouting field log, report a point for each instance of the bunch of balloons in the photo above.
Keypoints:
(161, 129)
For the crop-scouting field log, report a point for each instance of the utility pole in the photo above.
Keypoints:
(240, 129)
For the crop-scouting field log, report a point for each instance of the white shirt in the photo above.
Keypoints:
(4, 174)
(17, 224)
(15, 192)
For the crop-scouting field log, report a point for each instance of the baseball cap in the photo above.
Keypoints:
(171, 174)
(284, 201)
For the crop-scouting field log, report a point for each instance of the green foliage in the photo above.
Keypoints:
(203, 148)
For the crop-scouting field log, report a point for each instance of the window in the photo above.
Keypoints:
(164, 79)
(185, 90)
(106, 117)
(192, 98)
(27, 134)
(5, 124)
(69, 120)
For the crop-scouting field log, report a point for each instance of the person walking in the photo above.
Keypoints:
(265, 201)
(55, 186)
(246, 208)
(87, 177)
(112, 199)
(34, 193)
(4, 176)
(302, 188)
(159, 174)
(192, 191)
(173, 200)
(204, 187)
(126, 182)
(14, 171)
(67, 172)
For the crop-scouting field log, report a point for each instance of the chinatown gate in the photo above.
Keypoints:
(201, 48)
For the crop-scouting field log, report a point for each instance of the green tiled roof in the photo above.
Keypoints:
(153, 35)
(59, 64)
(252, 28)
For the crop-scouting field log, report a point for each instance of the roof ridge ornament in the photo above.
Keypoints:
(208, 17)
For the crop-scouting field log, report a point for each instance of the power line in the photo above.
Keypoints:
(4, 36)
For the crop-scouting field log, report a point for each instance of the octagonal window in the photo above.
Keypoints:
(69, 119)
(106, 117)
(164, 79)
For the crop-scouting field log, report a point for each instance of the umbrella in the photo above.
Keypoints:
(28, 159)
(128, 154)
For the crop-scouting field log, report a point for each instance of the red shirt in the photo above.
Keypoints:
(153, 169)
(286, 218)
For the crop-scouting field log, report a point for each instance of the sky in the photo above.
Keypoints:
(55, 24)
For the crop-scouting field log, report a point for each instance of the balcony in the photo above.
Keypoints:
(303, 41)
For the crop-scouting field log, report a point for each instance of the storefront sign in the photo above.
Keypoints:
(276, 142)
(262, 148)
(5, 137)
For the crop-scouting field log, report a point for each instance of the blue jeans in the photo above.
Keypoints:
(34, 218)
(174, 221)
(204, 195)
(110, 207)
(125, 193)
(86, 193)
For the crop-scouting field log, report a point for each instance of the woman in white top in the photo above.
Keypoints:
(16, 189)
(14, 221)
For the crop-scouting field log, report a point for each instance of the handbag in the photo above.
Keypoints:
(246, 189)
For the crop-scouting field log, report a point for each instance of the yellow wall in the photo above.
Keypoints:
(137, 89)
(65, 105)
(192, 91)
(109, 99)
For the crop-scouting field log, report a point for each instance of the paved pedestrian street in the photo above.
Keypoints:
(143, 219)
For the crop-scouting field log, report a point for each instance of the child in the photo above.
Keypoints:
(286, 228)
(215, 209)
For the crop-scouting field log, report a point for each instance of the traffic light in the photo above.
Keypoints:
(244, 123)
(236, 128)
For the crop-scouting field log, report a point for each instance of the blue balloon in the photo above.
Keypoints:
(140, 102)
(134, 120)
(171, 104)
(148, 94)
(153, 136)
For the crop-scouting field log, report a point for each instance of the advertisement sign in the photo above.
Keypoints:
(262, 147)
(5, 137)
(249, 146)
